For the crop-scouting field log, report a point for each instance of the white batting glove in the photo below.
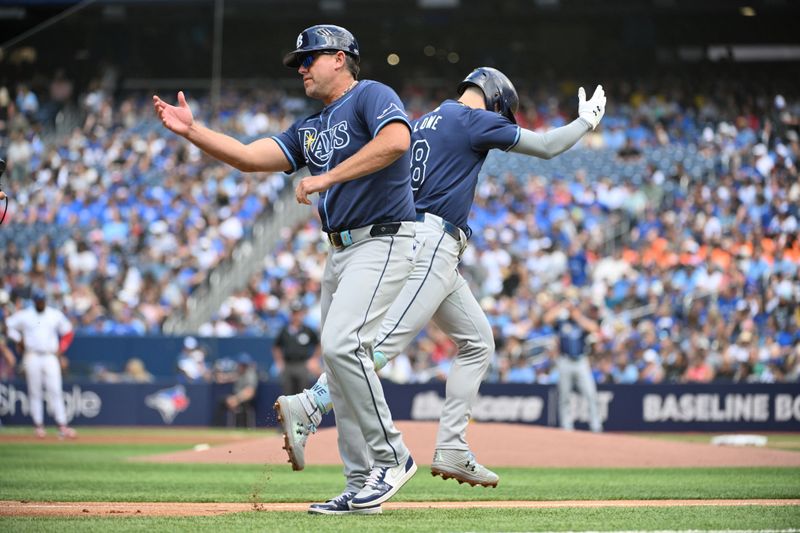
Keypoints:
(593, 110)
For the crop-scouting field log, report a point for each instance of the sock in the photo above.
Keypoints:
(380, 360)
(310, 407)
(321, 395)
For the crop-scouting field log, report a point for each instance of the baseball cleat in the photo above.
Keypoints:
(462, 466)
(383, 482)
(65, 432)
(296, 427)
(341, 505)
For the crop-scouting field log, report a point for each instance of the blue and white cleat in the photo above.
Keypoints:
(383, 482)
(341, 505)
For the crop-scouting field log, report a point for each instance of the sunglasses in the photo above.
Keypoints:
(307, 60)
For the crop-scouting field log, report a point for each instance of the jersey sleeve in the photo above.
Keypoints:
(14, 327)
(290, 143)
(380, 105)
(280, 342)
(64, 326)
(489, 130)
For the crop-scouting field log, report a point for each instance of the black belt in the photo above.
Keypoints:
(449, 228)
(348, 237)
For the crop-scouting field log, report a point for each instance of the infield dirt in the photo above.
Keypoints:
(508, 445)
(76, 509)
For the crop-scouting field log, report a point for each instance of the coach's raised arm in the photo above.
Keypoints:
(262, 155)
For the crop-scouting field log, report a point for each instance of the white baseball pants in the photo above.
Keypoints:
(43, 374)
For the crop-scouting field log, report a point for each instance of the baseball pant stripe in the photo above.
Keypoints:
(364, 370)
(419, 289)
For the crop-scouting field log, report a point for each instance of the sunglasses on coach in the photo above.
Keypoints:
(308, 59)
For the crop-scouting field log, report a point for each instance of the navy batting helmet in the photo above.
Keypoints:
(498, 91)
(322, 37)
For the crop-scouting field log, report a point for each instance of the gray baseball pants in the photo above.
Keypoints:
(360, 283)
(437, 291)
(576, 373)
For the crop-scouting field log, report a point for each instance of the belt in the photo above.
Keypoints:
(348, 237)
(449, 228)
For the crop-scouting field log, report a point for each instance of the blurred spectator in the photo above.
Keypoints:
(60, 94)
(699, 370)
(19, 154)
(27, 101)
(238, 407)
(135, 372)
(192, 366)
(7, 111)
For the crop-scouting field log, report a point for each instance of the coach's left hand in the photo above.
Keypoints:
(310, 185)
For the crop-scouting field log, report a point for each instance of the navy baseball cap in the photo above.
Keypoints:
(244, 358)
(38, 295)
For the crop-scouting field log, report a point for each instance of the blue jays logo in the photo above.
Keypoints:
(319, 146)
(169, 402)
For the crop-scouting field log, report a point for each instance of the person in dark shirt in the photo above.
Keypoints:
(294, 347)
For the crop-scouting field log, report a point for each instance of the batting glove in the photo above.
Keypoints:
(593, 110)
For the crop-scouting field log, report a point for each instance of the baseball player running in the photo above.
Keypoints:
(449, 146)
(43, 335)
(356, 149)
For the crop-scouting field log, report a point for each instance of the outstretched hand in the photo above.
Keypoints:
(177, 119)
(593, 110)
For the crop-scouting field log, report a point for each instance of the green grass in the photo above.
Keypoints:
(94, 472)
(76, 471)
(199, 432)
(429, 520)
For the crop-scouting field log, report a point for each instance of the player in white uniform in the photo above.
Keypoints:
(43, 334)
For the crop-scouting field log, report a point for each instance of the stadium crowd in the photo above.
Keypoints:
(119, 222)
(674, 224)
